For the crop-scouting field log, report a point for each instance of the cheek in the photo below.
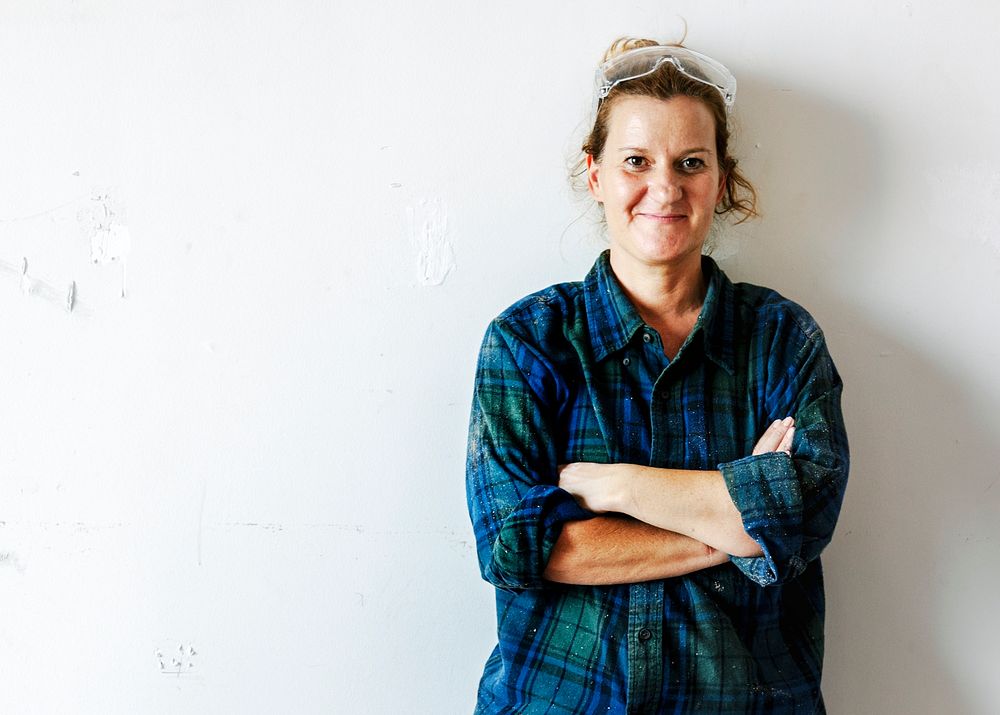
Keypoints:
(710, 191)
(627, 191)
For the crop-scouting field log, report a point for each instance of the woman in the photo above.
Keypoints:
(657, 456)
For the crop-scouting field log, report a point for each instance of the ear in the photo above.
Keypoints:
(593, 178)
(722, 188)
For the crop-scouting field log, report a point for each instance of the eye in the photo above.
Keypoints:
(692, 163)
(635, 162)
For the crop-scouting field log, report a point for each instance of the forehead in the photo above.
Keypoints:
(642, 120)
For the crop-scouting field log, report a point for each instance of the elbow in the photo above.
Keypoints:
(505, 579)
(507, 569)
(564, 564)
(559, 571)
(559, 566)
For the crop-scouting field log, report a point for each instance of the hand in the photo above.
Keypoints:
(596, 487)
(602, 488)
(777, 438)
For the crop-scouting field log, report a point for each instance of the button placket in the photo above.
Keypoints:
(646, 668)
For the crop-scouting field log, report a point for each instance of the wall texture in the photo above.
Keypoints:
(231, 477)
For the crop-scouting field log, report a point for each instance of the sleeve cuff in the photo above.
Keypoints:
(526, 539)
(766, 491)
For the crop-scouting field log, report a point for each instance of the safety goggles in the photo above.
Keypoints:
(646, 60)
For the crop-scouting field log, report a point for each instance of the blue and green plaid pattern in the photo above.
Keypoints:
(572, 373)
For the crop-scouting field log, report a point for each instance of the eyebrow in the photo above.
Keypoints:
(699, 150)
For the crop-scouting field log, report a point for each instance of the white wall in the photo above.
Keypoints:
(252, 464)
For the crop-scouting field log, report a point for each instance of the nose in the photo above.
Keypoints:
(665, 184)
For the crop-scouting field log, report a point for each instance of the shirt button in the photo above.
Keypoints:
(647, 338)
(645, 634)
(625, 362)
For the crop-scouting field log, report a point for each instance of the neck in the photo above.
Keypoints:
(662, 293)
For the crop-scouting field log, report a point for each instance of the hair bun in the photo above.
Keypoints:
(624, 44)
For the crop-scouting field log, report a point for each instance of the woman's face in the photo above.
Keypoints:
(659, 180)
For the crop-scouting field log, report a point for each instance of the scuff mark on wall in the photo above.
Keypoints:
(201, 515)
(270, 526)
(176, 661)
(8, 558)
(428, 219)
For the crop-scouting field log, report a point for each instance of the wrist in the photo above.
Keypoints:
(621, 498)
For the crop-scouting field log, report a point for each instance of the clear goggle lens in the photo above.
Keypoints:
(646, 60)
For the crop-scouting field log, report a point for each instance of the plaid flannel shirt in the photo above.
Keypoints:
(572, 374)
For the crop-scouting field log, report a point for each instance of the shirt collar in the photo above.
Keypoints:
(614, 321)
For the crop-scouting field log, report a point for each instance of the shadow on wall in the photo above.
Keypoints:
(910, 574)
(913, 577)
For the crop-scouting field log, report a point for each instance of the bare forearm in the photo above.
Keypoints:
(694, 503)
(617, 549)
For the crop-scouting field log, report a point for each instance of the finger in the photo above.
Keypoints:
(786, 441)
(771, 438)
(571, 475)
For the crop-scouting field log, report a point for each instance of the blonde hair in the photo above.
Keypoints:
(739, 197)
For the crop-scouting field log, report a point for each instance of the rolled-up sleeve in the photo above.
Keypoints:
(790, 504)
(516, 507)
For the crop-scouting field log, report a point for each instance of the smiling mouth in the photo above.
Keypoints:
(665, 218)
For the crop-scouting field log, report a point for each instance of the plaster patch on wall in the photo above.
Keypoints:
(103, 221)
(32, 285)
(428, 220)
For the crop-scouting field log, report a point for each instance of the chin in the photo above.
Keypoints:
(670, 251)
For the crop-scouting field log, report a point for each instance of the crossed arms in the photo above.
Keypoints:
(665, 522)
(770, 512)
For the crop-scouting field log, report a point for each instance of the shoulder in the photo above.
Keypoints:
(766, 312)
(544, 318)
(537, 337)
(779, 341)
